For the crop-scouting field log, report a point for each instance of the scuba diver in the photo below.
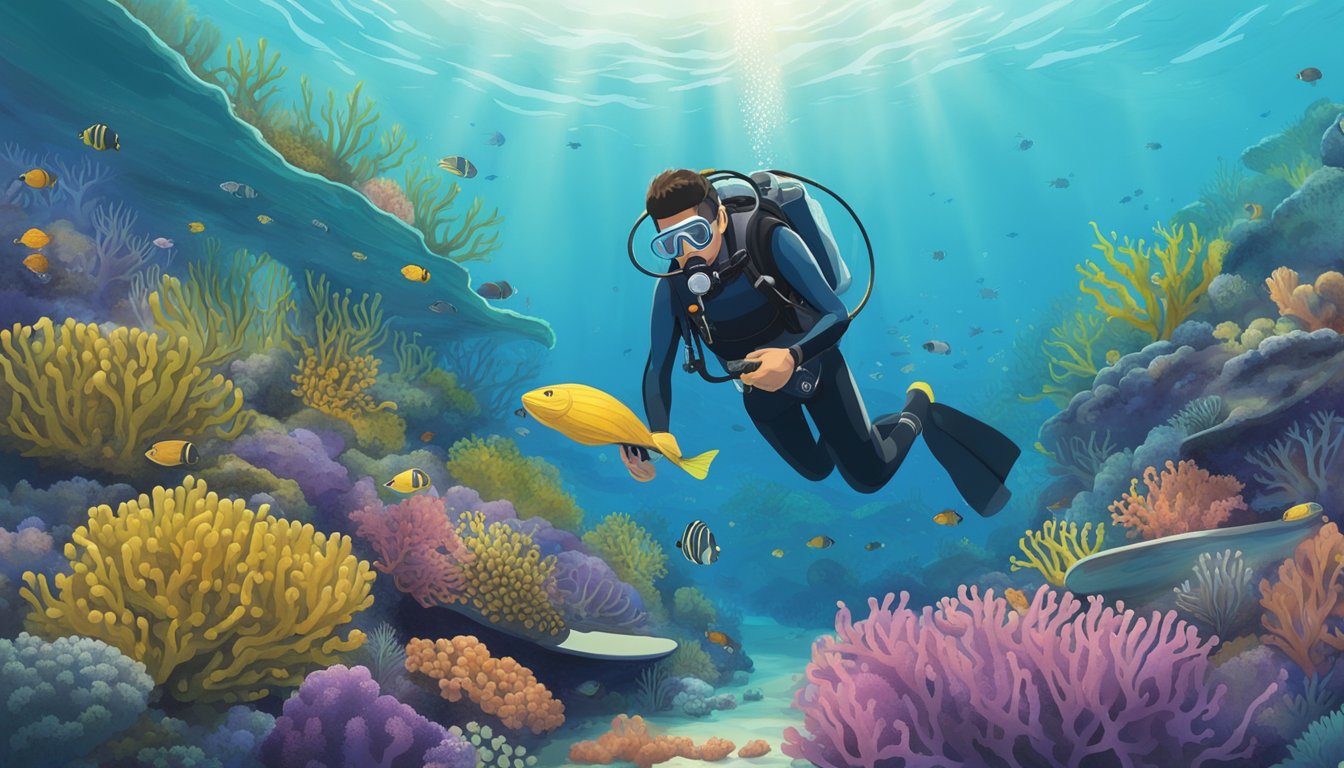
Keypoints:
(755, 278)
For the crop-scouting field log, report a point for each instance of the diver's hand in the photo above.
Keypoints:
(636, 461)
(776, 369)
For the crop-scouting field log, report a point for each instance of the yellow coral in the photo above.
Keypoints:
(76, 394)
(1070, 360)
(507, 579)
(635, 557)
(219, 602)
(1055, 547)
(690, 608)
(498, 470)
(1168, 296)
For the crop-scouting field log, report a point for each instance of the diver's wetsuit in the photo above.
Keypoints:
(743, 320)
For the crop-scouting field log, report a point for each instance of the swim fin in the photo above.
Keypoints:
(976, 456)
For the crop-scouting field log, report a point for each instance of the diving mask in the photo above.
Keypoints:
(696, 230)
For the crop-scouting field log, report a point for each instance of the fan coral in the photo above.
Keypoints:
(631, 741)
(500, 687)
(219, 602)
(498, 470)
(388, 195)
(1220, 598)
(64, 698)
(1071, 361)
(1184, 498)
(1302, 465)
(632, 554)
(76, 394)
(1316, 307)
(592, 597)
(1304, 606)
(507, 579)
(419, 547)
(971, 683)
(462, 238)
(1056, 547)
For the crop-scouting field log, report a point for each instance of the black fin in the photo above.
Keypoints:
(976, 456)
(994, 449)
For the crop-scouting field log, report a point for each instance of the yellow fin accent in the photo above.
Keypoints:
(922, 387)
(666, 445)
(696, 466)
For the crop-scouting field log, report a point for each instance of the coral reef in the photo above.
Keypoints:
(1167, 299)
(1303, 465)
(1321, 746)
(259, 486)
(1316, 306)
(691, 609)
(414, 360)
(1303, 231)
(303, 456)
(161, 741)
(27, 548)
(1085, 682)
(387, 195)
(633, 554)
(63, 506)
(1332, 144)
(383, 469)
(506, 579)
(654, 689)
(690, 660)
(196, 38)
(498, 470)
(500, 687)
(78, 394)
(1055, 547)
(1071, 360)
(1183, 498)
(1221, 595)
(339, 717)
(593, 597)
(1081, 459)
(473, 239)
(696, 698)
(493, 373)
(344, 138)
(1198, 415)
(492, 750)
(276, 616)
(1304, 605)
(418, 545)
(754, 748)
(65, 697)
(631, 741)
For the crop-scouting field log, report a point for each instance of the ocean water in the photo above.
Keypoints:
(975, 140)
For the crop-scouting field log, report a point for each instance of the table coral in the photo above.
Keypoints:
(1055, 547)
(631, 741)
(1316, 306)
(1183, 498)
(1304, 604)
(219, 602)
(419, 547)
(506, 578)
(74, 393)
(500, 687)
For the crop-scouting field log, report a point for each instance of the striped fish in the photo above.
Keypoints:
(458, 166)
(697, 544)
(100, 137)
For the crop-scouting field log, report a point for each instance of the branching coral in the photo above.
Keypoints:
(197, 39)
(1152, 301)
(418, 545)
(492, 373)
(473, 239)
(1082, 460)
(414, 360)
(1304, 605)
(1295, 175)
(1320, 746)
(1304, 464)
(507, 579)
(1314, 306)
(1073, 686)
(219, 602)
(500, 687)
(498, 470)
(1222, 587)
(219, 310)
(117, 252)
(248, 77)
(1183, 498)
(630, 740)
(347, 135)
(632, 554)
(77, 394)
(1070, 359)
(1056, 547)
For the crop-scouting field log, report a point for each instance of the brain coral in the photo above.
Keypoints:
(500, 687)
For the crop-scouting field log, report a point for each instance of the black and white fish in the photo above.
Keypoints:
(697, 544)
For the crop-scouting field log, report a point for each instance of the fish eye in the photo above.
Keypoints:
(548, 392)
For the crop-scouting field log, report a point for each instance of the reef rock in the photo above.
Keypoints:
(1332, 143)
(1305, 231)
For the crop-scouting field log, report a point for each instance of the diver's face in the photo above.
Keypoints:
(718, 226)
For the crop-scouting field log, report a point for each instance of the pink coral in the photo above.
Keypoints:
(1184, 498)
(1305, 605)
(970, 680)
(389, 196)
(418, 546)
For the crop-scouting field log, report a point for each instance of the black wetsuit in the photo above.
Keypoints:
(742, 320)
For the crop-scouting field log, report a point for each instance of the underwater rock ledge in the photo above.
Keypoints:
(111, 69)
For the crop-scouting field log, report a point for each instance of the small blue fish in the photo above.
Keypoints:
(442, 306)
(496, 139)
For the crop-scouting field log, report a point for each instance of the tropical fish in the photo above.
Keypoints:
(937, 347)
(592, 417)
(1125, 199)
(939, 255)
(1112, 356)
(37, 264)
(820, 542)
(408, 482)
(491, 177)
(976, 330)
(873, 545)
(588, 688)
(522, 431)
(1153, 145)
(1253, 210)
(229, 186)
(442, 306)
(358, 256)
(38, 178)
(495, 290)
(875, 375)
(947, 517)
(1138, 193)
(496, 139)
(163, 242)
(34, 238)
(1309, 75)
(458, 166)
(196, 227)
(520, 413)
(244, 192)
(776, 552)
(1025, 144)
(415, 273)
(425, 437)
(1017, 599)
(100, 137)
(1011, 235)
(573, 144)
(988, 293)
(907, 368)
(173, 453)
(321, 225)
(722, 640)
(1059, 183)
(697, 543)
(738, 428)
(264, 219)
(1061, 504)
(1301, 511)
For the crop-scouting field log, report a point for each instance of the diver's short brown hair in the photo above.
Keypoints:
(672, 192)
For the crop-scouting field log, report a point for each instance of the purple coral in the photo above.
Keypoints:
(339, 718)
(549, 539)
(302, 456)
(972, 683)
(594, 597)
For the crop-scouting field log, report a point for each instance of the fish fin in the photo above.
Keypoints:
(666, 445)
(696, 466)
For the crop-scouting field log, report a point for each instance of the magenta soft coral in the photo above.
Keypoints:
(418, 546)
(973, 683)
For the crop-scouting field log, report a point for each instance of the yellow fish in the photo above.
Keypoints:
(1301, 511)
(358, 256)
(1253, 210)
(415, 274)
(38, 178)
(408, 482)
(264, 219)
(37, 263)
(34, 238)
(1017, 599)
(590, 416)
(173, 453)
(1112, 356)
(947, 517)
(777, 553)
(820, 542)
(100, 137)
(196, 227)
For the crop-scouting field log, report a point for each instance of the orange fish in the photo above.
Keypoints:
(720, 639)
(1016, 599)
(37, 264)
(426, 437)
(1253, 210)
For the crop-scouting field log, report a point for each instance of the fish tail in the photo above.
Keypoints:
(696, 466)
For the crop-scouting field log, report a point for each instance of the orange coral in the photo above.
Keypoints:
(630, 740)
(1304, 607)
(500, 687)
(1184, 498)
(754, 748)
(1319, 306)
